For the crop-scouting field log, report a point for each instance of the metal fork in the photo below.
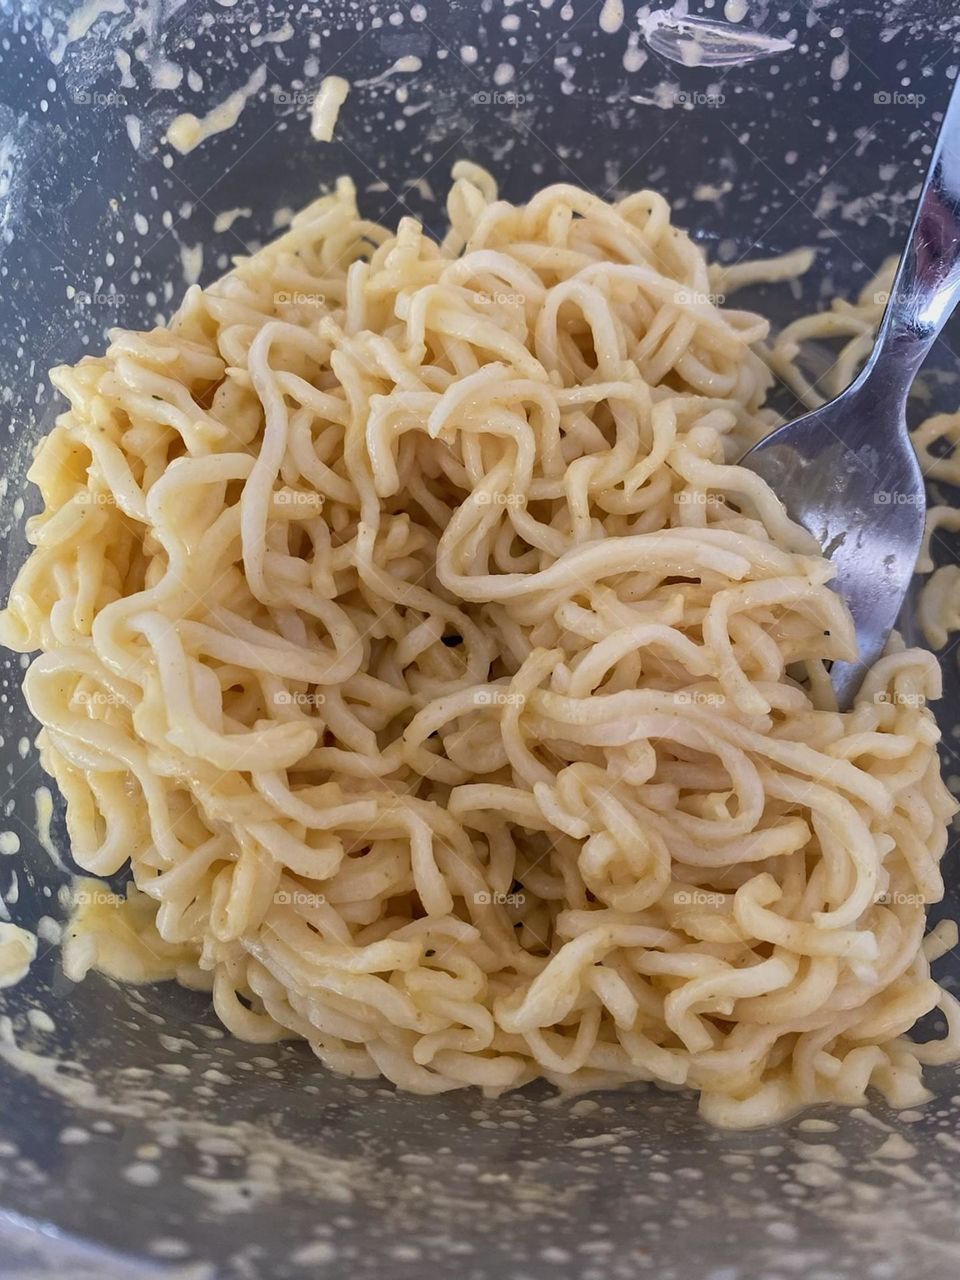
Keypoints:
(847, 471)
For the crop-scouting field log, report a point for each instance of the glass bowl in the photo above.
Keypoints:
(136, 1138)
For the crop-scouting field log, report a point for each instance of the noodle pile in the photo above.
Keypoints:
(457, 706)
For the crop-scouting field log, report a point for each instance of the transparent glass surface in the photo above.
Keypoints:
(259, 1163)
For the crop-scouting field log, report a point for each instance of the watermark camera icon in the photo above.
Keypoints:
(298, 898)
(298, 298)
(697, 898)
(499, 98)
(498, 698)
(294, 698)
(897, 98)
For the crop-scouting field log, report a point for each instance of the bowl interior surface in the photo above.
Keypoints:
(137, 1138)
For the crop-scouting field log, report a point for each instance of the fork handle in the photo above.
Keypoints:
(927, 284)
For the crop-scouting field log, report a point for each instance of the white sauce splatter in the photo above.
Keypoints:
(81, 20)
(40, 1020)
(225, 220)
(896, 1147)
(50, 930)
(840, 65)
(133, 131)
(43, 803)
(611, 16)
(282, 34)
(188, 131)
(9, 843)
(11, 897)
(634, 57)
(165, 74)
(191, 260)
(326, 107)
(710, 191)
(409, 63)
(313, 1254)
(18, 948)
(123, 61)
(142, 1175)
(74, 1136)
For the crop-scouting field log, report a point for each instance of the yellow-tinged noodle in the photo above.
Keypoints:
(459, 708)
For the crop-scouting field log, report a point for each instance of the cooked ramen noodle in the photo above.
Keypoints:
(456, 703)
